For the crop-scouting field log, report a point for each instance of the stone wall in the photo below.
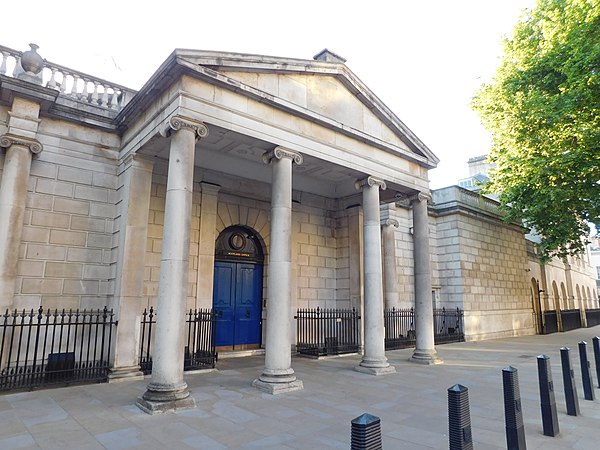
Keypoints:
(66, 258)
(482, 267)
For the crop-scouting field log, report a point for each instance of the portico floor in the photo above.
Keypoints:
(231, 413)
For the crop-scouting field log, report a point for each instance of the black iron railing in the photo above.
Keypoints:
(40, 348)
(327, 331)
(449, 325)
(571, 319)
(550, 322)
(593, 317)
(199, 352)
(400, 327)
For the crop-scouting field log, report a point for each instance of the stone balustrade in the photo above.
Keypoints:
(71, 83)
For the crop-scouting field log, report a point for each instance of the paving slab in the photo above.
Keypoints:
(411, 403)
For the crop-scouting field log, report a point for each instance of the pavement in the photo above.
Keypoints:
(230, 413)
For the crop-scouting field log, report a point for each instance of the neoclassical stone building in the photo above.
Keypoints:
(249, 184)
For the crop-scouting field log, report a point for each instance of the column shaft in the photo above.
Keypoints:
(374, 361)
(391, 295)
(167, 390)
(425, 346)
(278, 375)
(13, 196)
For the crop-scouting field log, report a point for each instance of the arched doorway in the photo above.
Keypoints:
(237, 291)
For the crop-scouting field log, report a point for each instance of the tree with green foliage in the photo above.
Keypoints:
(543, 110)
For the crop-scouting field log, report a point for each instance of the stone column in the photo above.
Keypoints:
(167, 390)
(278, 375)
(129, 283)
(374, 361)
(425, 352)
(569, 279)
(13, 196)
(206, 245)
(391, 295)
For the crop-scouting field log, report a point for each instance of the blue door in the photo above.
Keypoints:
(237, 302)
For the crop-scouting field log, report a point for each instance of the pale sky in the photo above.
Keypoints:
(423, 58)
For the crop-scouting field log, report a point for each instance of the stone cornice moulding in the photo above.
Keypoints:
(370, 181)
(176, 123)
(280, 153)
(33, 145)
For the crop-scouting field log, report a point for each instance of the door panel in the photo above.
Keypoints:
(237, 302)
(248, 304)
(224, 302)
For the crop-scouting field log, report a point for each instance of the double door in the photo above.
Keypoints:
(237, 301)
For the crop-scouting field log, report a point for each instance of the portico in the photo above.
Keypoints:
(280, 166)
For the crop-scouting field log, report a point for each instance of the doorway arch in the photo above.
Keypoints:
(238, 286)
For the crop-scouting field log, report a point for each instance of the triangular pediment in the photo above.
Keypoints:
(325, 92)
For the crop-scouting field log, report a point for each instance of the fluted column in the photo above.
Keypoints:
(374, 361)
(167, 390)
(278, 375)
(13, 196)
(391, 295)
(425, 352)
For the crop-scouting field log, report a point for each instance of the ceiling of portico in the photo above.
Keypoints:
(236, 154)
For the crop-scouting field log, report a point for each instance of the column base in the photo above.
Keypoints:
(278, 387)
(427, 357)
(119, 374)
(160, 398)
(375, 370)
(152, 407)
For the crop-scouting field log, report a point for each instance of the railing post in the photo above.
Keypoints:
(547, 400)
(596, 344)
(586, 377)
(569, 382)
(513, 414)
(459, 418)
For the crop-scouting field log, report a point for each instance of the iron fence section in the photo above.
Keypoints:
(550, 324)
(40, 348)
(199, 352)
(449, 325)
(593, 317)
(327, 331)
(571, 319)
(400, 327)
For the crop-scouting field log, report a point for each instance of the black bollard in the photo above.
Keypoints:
(366, 433)
(596, 344)
(586, 376)
(547, 400)
(569, 382)
(459, 418)
(513, 415)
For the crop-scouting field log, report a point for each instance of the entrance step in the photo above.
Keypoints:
(242, 353)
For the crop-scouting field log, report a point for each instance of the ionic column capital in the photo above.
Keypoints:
(176, 123)
(420, 197)
(33, 145)
(390, 223)
(370, 182)
(280, 153)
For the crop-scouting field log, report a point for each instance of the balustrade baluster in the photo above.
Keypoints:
(95, 96)
(103, 101)
(5, 56)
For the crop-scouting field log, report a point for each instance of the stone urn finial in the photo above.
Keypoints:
(30, 66)
(32, 62)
